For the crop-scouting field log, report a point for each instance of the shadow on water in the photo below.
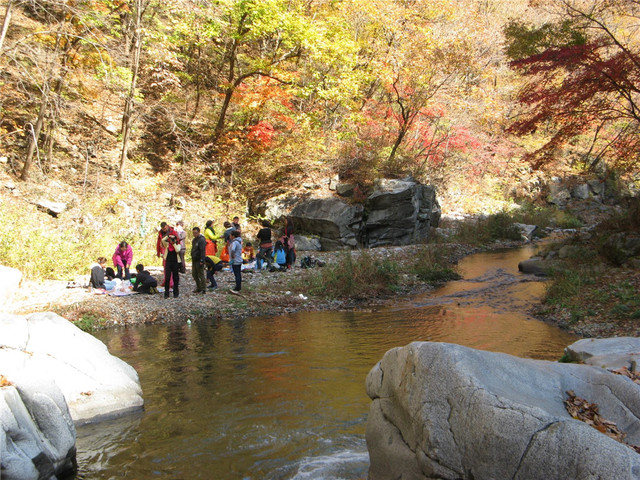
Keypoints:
(283, 397)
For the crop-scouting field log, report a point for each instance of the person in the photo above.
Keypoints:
(265, 250)
(288, 242)
(235, 254)
(165, 229)
(228, 228)
(145, 283)
(97, 280)
(248, 254)
(213, 264)
(280, 255)
(210, 237)
(171, 247)
(182, 238)
(198, 254)
(235, 223)
(122, 258)
(163, 233)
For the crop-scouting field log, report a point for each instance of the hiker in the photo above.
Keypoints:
(248, 254)
(235, 223)
(198, 254)
(122, 258)
(171, 247)
(213, 264)
(210, 237)
(145, 283)
(97, 280)
(163, 233)
(235, 254)
(288, 242)
(265, 250)
(182, 238)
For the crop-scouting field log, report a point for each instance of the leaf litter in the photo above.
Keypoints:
(587, 412)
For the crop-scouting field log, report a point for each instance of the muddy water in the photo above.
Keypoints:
(283, 397)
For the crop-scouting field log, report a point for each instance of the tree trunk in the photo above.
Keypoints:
(128, 107)
(35, 134)
(5, 23)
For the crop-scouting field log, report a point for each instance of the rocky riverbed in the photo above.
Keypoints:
(264, 293)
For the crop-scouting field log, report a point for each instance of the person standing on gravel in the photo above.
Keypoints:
(163, 234)
(235, 258)
(265, 251)
(122, 258)
(198, 254)
(171, 266)
(182, 238)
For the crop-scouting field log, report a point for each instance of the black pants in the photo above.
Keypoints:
(171, 270)
(237, 272)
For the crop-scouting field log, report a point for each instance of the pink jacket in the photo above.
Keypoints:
(121, 258)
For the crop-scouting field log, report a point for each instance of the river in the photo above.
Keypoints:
(283, 397)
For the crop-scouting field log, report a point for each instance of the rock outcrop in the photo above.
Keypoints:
(94, 383)
(449, 412)
(37, 435)
(398, 212)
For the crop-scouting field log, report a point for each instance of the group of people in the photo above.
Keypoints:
(205, 260)
(104, 278)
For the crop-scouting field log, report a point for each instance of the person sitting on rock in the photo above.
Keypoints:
(145, 283)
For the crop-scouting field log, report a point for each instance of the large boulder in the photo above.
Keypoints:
(335, 222)
(400, 212)
(610, 353)
(450, 412)
(37, 435)
(9, 283)
(95, 384)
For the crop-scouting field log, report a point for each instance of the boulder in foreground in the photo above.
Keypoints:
(95, 384)
(443, 411)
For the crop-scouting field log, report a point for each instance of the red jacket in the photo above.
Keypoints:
(159, 247)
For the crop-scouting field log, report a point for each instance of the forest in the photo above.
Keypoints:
(253, 96)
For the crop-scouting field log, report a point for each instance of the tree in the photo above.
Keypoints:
(585, 77)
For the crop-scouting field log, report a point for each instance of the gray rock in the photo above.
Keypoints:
(95, 384)
(276, 207)
(450, 412)
(345, 189)
(581, 191)
(304, 243)
(535, 266)
(558, 194)
(400, 212)
(10, 279)
(37, 435)
(597, 187)
(610, 353)
(527, 231)
(52, 208)
(331, 219)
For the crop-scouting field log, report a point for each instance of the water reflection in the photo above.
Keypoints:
(283, 397)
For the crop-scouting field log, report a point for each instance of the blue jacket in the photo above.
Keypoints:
(280, 256)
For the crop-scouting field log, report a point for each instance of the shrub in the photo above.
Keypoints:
(359, 277)
(431, 265)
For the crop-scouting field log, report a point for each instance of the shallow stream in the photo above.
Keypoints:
(283, 397)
